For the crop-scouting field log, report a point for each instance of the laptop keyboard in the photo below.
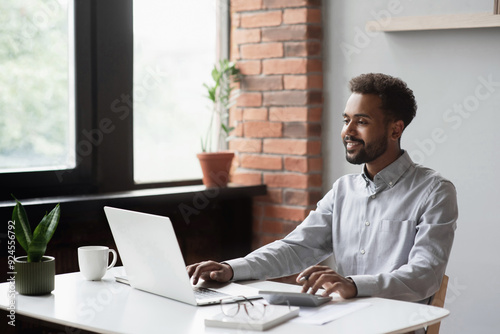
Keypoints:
(204, 293)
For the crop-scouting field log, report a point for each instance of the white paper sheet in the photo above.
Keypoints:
(326, 313)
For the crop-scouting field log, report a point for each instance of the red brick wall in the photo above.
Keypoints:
(277, 46)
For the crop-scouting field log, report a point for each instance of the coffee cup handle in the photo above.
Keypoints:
(114, 259)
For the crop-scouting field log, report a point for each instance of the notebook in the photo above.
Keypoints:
(273, 316)
(153, 261)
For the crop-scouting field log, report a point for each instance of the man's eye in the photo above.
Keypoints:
(345, 121)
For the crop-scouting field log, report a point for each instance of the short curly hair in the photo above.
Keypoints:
(397, 99)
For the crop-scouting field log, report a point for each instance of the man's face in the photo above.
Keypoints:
(365, 131)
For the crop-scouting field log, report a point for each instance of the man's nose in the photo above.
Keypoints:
(349, 129)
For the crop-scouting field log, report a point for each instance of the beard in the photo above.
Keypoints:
(368, 152)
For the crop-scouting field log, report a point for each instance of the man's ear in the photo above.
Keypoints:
(397, 129)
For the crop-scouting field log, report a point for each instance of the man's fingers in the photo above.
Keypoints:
(335, 287)
(306, 273)
(321, 278)
(311, 281)
(210, 270)
(335, 283)
(206, 276)
(305, 287)
(325, 279)
(316, 281)
(201, 268)
(309, 276)
(217, 275)
(190, 269)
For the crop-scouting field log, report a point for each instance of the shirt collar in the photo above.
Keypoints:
(391, 174)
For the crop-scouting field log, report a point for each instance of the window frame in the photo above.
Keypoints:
(103, 108)
(56, 182)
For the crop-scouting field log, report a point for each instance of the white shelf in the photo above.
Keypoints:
(438, 22)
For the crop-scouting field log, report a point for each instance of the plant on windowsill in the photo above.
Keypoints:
(216, 164)
(35, 273)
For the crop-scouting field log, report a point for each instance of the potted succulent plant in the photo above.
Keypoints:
(35, 272)
(214, 160)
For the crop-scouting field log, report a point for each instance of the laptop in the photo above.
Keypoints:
(153, 260)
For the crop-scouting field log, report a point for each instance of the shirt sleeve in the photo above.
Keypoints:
(308, 244)
(421, 277)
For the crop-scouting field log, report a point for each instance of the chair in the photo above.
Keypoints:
(438, 301)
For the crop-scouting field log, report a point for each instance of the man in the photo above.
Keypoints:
(390, 228)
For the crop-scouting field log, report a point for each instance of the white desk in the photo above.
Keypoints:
(110, 307)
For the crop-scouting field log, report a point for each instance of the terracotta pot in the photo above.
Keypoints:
(35, 278)
(215, 167)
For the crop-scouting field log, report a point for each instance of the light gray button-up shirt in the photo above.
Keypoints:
(392, 235)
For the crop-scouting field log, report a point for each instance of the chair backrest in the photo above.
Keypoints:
(438, 301)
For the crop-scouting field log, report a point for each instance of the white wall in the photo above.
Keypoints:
(446, 70)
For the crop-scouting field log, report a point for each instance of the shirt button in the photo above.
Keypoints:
(390, 184)
(362, 251)
(367, 223)
(373, 196)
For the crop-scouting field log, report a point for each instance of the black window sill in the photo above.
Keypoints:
(151, 196)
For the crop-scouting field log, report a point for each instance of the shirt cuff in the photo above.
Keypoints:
(366, 284)
(241, 269)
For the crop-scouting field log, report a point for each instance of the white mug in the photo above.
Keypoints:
(93, 261)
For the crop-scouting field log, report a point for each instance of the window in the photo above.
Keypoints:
(85, 108)
(37, 120)
(174, 53)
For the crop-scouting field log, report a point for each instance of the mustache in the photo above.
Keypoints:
(350, 138)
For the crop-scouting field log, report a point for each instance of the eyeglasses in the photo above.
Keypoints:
(254, 310)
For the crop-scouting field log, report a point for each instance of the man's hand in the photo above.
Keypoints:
(317, 277)
(210, 270)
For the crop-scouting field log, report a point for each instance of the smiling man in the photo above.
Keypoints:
(389, 228)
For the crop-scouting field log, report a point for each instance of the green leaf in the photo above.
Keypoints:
(223, 95)
(216, 74)
(211, 94)
(226, 128)
(23, 229)
(42, 235)
(203, 145)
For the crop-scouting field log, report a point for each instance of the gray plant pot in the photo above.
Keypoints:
(35, 278)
